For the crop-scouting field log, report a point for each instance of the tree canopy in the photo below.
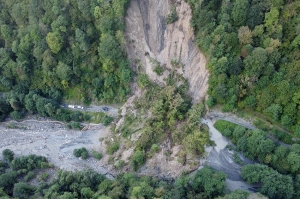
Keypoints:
(72, 47)
(253, 55)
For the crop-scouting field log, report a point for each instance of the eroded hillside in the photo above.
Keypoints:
(150, 39)
(164, 52)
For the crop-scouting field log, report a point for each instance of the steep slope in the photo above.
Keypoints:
(152, 42)
(150, 38)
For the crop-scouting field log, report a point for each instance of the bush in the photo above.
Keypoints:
(76, 116)
(211, 182)
(7, 180)
(288, 139)
(143, 81)
(87, 117)
(29, 176)
(82, 152)
(119, 164)
(158, 70)
(154, 148)
(195, 142)
(30, 163)
(42, 177)
(23, 190)
(15, 115)
(225, 127)
(8, 155)
(107, 120)
(96, 155)
(137, 160)
(112, 147)
(173, 16)
(74, 125)
(210, 101)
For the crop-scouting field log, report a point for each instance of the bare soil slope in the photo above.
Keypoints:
(150, 38)
(150, 41)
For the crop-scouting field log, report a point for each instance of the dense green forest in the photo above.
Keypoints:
(253, 51)
(53, 49)
(28, 177)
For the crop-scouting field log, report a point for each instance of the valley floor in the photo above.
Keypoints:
(41, 136)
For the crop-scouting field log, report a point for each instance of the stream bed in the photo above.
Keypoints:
(221, 159)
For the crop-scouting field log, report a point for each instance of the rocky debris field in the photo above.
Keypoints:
(41, 136)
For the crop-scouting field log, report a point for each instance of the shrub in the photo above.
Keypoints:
(112, 148)
(22, 190)
(211, 182)
(173, 16)
(15, 115)
(143, 81)
(158, 70)
(96, 155)
(210, 101)
(225, 127)
(195, 142)
(74, 125)
(119, 164)
(154, 148)
(107, 120)
(11, 125)
(29, 176)
(7, 180)
(137, 160)
(76, 116)
(8, 155)
(104, 186)
(87, 117)
(29, 163)
(42, 177)
(82, 152)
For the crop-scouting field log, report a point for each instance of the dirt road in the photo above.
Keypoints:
(110, 110)
(215, 114)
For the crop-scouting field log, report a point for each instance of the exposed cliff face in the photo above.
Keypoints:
(149, 37)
